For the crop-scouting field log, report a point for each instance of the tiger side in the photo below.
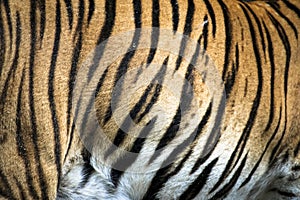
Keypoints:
(160, 99)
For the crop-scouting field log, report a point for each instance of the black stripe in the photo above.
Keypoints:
(123, 67)
(175, 14)
(186, 32)
(91, 10)
(228, 38)
(9, 23)
(110, 14)
(242, 32)
(100, 82)
(14, 65)
(196, 187)
(296, 168)
(86, 155)
(200, 161)
(234, 70)
(189, 18)
(72, 77)
(155, 32)
(126, 161)
(139, 142)
(189, 75)
(215, 134)
(222, 193)
(42, 9)
(212, 17)
(69, 8)
(297, 149)
(182, 162)
(87, 169)
(272, 76)
(123, 130)
(284, 193)
(80, 14)
(250, 122)
(71, 134)
(292, 7)
(7, 192)
(275, 149)
(157, 183)
(137, 7)
(3, 138)
(201, 125)
(20, 188)
(22, 152)
(246, 87)
(160, 78)
(169, 135)
(155, 13)
(2, 44)
(86, 173)
(205, 33)
(286, 19)
(77, 106)
(55, 125)
(152, 101)
(70, 142)
(263, 153)
(285, 158)
(118, 140)
(31, 89)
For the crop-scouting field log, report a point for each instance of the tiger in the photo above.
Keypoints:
(161, 99)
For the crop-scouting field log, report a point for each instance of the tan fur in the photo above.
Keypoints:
(238, 105)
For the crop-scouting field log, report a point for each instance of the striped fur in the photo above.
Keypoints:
(242, 143)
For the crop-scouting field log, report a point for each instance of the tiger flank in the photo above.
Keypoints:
(150, 99)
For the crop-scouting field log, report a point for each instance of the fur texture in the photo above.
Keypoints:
(96, 104)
